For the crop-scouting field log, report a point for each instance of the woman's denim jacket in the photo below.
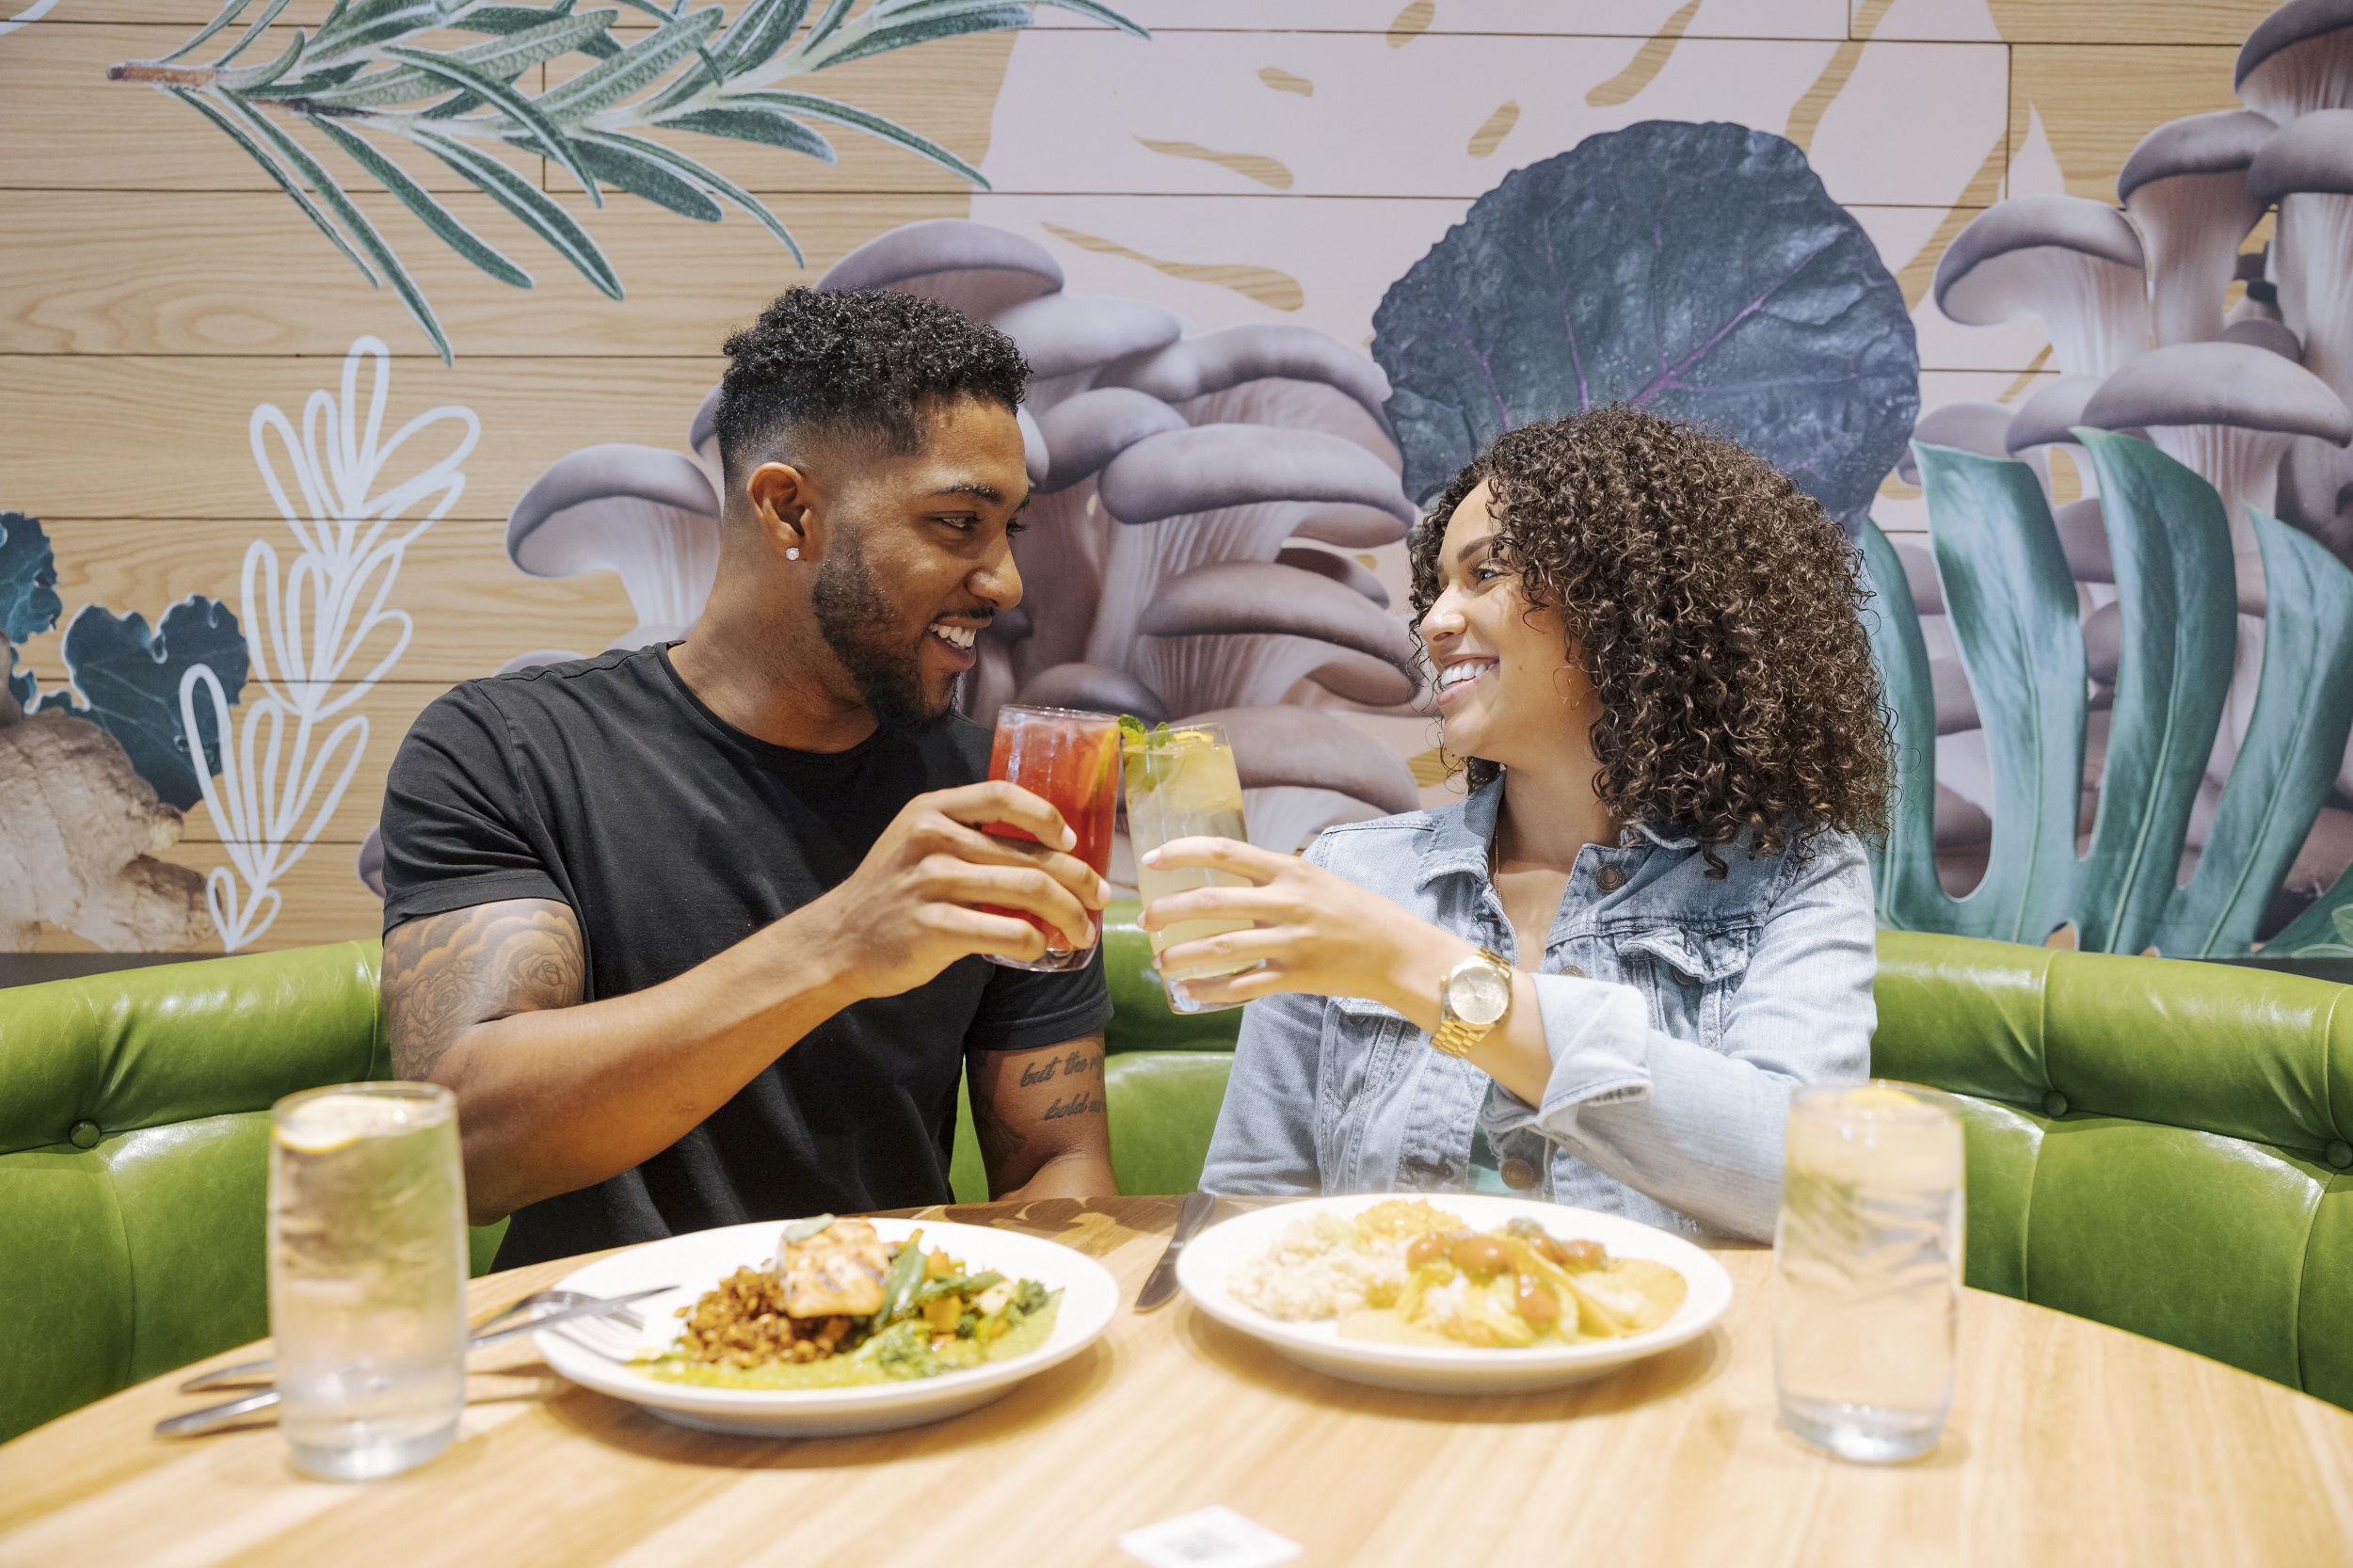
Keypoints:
(1680, 1010)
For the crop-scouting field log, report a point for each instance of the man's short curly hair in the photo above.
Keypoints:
(1718, 611)
(859, 363)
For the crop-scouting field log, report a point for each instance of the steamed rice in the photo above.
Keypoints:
(1323, 1266)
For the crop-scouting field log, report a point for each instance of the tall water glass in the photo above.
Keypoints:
(1069, 760)
(1183, 783)
(1867, 1261)
(367, 1276)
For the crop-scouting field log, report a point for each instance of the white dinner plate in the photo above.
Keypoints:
(696, 1262)
(1213, 1257)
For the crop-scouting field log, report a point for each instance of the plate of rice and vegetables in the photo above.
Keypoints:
(829, 1326)
(1457, 1293)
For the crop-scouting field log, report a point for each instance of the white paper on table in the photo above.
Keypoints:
(1215, 1537)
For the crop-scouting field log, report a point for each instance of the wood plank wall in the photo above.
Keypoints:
(154, 287)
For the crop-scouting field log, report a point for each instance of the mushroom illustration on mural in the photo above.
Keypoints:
(2253, 397)
(1191, 551)
(2307, 170)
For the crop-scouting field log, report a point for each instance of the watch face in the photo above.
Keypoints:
(1478, 995)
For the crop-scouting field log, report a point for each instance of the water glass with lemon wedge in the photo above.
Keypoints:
(1181, 783)
(1867, 1267)
(367, 1276)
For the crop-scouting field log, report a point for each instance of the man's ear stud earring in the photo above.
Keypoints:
(793, 554)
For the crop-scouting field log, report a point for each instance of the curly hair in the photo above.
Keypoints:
(1717, 610)
(856, 363)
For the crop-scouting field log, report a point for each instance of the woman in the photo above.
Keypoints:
(1651, 917)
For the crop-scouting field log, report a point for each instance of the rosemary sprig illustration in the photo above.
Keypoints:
(364, 78)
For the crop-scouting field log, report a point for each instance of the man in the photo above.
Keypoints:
(692, 931)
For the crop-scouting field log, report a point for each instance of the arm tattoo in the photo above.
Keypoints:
(1024, 1104)
(1000, 1138)
(445, 973)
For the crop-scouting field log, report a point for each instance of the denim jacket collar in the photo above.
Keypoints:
(1465, 834)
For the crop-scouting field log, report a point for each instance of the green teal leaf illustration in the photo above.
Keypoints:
(633, 70)
(128, 679)
(28, 593)
(942, 22)
(425, 205)
(285, 182)
(1097, 11)
(28, 579)
(2013, 611)
(813, 107)
(502, 59)
(378, 67)
(354, 26)
(759, 29)
(2288, 761)
(747, 119)
(1699, 271)
(2174, 576)
(687, 167)
(525, 114)
(828, 22)
(222, 17)
(1904, 870)
(2323, 931)
(355, 222)
(622, 161)
(286, 61)
(245, 39)
(527, 201)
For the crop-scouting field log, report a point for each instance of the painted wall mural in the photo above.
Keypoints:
(1281, 263)
(1699, 271)
(369, 76)
(1195, 549)
(321, 634)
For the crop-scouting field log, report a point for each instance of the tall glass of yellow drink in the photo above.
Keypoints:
(1181, 783)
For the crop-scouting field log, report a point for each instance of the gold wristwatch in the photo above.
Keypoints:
(1472, 999)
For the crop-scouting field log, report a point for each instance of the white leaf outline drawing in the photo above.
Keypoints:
(303, 630)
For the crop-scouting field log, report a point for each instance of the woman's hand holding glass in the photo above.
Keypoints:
(1311, 932)
(1322, 935)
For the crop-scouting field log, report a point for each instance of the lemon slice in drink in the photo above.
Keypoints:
(1879, 1096)
(332, 1122)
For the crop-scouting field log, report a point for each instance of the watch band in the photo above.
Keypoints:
(1458, 1035)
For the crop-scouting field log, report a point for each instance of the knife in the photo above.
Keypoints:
(1161, 1283)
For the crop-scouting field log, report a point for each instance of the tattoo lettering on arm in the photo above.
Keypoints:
(445, 973)
(1043, 1108)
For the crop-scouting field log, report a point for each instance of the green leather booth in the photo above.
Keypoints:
(2157, 1144)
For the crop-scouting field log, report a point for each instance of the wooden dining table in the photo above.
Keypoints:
(2070, 1443)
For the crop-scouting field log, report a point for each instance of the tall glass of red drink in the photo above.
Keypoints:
(1070, 761)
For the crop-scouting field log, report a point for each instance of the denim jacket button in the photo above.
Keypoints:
(1609, 879)
(1518, 1175)
(1572, 972)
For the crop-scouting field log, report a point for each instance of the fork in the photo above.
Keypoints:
(618, 1343)
(583, 1308)
(251, 1371)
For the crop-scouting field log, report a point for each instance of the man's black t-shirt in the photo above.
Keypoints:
(608, 785)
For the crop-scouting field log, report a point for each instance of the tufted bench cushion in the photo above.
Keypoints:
(134, 1157)
(2162, 1146)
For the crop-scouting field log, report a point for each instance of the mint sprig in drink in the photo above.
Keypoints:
(1181, 783)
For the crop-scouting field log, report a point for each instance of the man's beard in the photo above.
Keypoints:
(856, 618)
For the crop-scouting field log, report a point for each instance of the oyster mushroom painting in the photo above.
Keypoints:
(2127, 715)
(1202, 501)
